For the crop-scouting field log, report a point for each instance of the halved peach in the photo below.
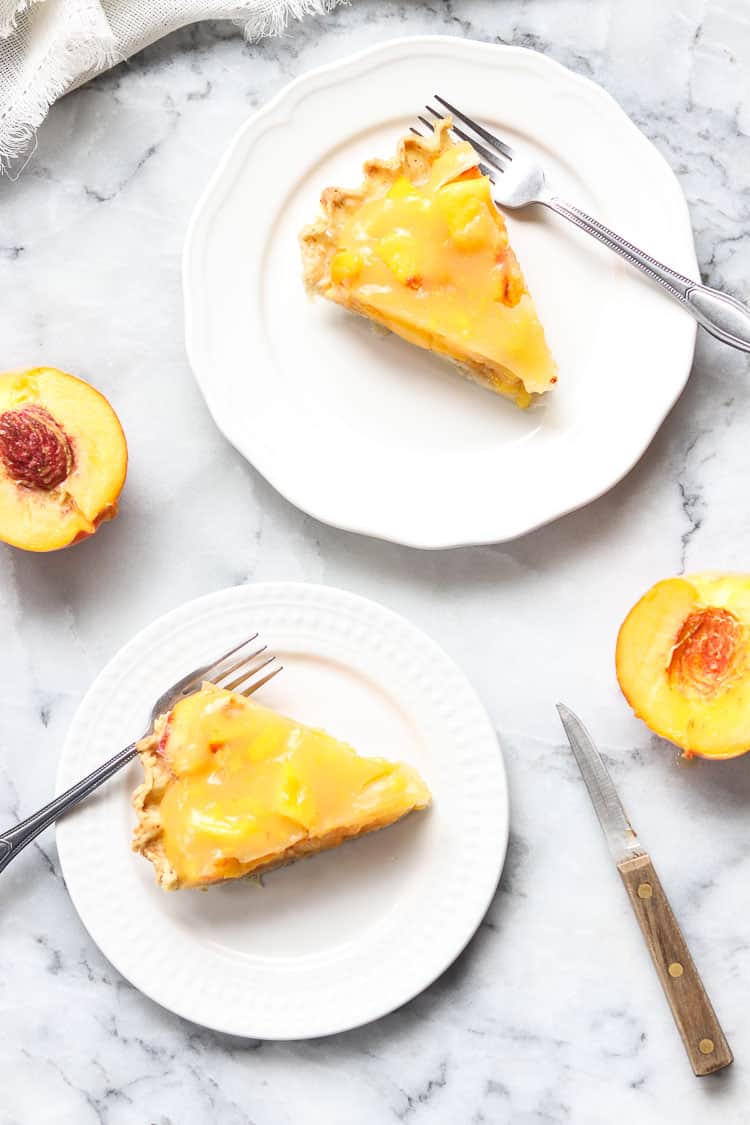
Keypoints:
(63, 459)
(683, 662)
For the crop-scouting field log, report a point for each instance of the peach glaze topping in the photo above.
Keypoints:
(251, 787)
(432, 258)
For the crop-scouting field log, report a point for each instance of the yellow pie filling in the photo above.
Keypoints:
(422, 249)
(233, 788)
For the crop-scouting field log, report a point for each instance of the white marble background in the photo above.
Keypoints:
(553, 1015)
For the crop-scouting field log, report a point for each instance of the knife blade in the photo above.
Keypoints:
(702, 1036)
(619, 832)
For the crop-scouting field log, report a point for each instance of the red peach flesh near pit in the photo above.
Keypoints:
(705, 649)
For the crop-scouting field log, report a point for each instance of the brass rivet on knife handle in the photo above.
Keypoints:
(696, 1020)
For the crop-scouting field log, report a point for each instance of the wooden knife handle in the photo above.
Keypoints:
(696, 1020)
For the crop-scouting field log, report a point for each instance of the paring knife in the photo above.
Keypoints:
(696, 1020)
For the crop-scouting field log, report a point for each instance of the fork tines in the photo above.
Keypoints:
(495, 156)
(248, 671)
(253, 673)
(480, 130)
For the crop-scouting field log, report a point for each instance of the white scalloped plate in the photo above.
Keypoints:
(337, 940)
(365, 431)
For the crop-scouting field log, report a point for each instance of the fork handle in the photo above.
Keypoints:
(16, 838)
(723, 316)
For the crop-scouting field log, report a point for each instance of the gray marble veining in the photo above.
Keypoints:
(553, 1014)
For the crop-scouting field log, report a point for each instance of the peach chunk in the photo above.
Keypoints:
(467, 207)
(683, 662)
(63, 459)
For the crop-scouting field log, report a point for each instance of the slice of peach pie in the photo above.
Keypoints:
(233, 789)
(421, 249)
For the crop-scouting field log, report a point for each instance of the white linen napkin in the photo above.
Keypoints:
(49, 46)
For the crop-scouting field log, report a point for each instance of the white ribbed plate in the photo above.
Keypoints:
(362, 429)
(337, 940)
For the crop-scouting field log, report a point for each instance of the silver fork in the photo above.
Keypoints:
(519, 182)
(253, 670)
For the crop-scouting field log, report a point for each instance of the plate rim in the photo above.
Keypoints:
(206, 205)
(267, 591)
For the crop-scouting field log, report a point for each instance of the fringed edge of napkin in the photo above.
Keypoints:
(89, 52)
(274, 19)
(62, 68)
(10, 11)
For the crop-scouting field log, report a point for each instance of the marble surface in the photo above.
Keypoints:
(553, 1014)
